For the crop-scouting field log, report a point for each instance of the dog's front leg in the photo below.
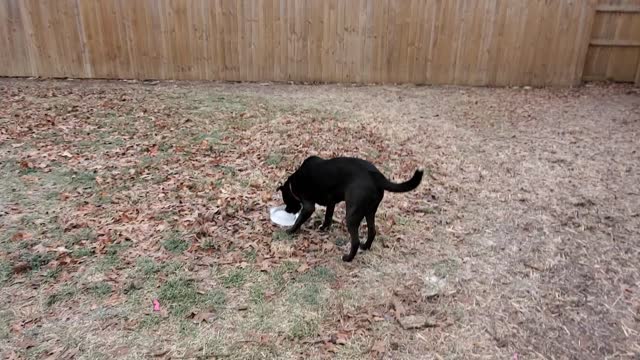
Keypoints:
(307, 209)
(328, 217)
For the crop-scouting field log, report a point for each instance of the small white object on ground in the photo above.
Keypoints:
(281, 217)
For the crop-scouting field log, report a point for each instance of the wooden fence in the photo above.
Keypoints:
(614, 48)
(471, 42)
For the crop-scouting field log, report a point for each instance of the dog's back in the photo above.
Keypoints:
(339, 172)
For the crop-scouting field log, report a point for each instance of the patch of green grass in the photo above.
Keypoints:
(172, 267)
(86, 144)
(187, 329)
(165, 147)
(52, 274)
(280, 275)
(109, 261)
(84, 179)
(256, 294)
(150, 321)
(235, 278)
(109, 115)
(180, 295)
(146, 162)
(262, 317)
(100, 289)
(216, 298)
(37, 261)
(112, 257)
(5, 271)
(231, 104)
(174, 243)
(341, 241)
(83, 234)
(428, 210)
(401, 220)
(29, 220)
(101, 199)
(6, 235)
(373, 154)
(27, 171)
(304, 328)
(213, 138)
(228, 171)
(82, 252)
(147, 266)
(280, 235)
(308, 295)
(317, 275)
(208, 244)
(6, 317)
(274, 159)
(251, 255)
(52, 195)
(65, 293)
(166, 215)
(446, 267)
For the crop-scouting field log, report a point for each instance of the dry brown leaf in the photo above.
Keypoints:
(302, 268)
(329, 347)
(62, 250)
(121, 351)
(21, 267)
(12, 356)
(265, 266)
(41, 249)
(19, 236)
(26, 343)
(160, 353)
(398, 307)
(342, 338)
(379, 347)
(17, 327)
(203, 316)
(416, 322)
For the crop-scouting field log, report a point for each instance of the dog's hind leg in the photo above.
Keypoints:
(354, 218)
(328, 217)
(355, 240)
(371, 231)
(371, 221)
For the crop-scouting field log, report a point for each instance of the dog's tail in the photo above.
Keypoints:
(401, 187)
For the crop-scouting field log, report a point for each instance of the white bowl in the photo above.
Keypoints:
(280, 217)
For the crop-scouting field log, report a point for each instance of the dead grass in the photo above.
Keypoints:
(523, 238)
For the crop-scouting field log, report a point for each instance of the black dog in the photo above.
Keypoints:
(328, 182)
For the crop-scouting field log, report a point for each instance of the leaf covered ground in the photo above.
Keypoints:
(134, 222)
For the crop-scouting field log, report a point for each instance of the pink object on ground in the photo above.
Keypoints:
(156, 305)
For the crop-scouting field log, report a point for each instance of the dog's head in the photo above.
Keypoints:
(292, 204)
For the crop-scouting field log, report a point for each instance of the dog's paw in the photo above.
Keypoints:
(347, 258)
(365, 246)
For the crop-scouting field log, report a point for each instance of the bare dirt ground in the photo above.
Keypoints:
(523, 242)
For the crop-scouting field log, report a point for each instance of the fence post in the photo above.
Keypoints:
(585, 40)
